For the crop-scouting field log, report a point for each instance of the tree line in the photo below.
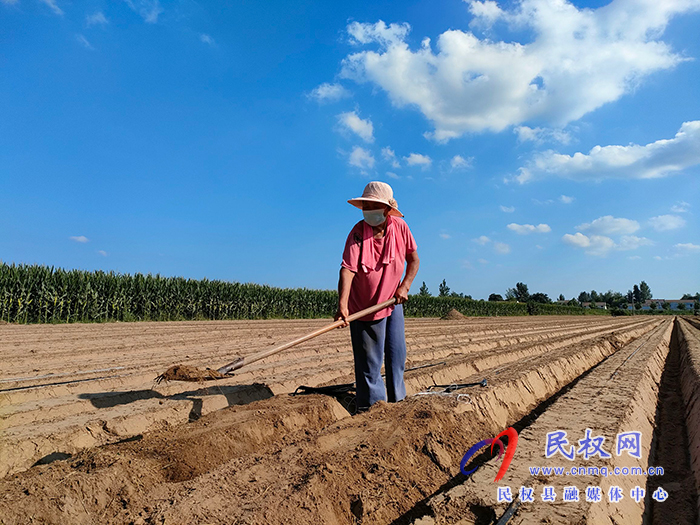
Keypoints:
(636, 296)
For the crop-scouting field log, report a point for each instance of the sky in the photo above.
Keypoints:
(547, 142)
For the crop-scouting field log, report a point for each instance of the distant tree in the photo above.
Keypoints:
(696, 306)
(630, 296)
(540, 297)
(424, 290)
(617, 299)
(681, 306)
(561, 297)
(573, 302)
(637, 294)
(687, 297)
(666, 305)
(652, 305)
(595, 297)
(521, 292)
(624, 306)
(460, 295)
(637, 306)
(444, 289)
(511, 295)
(584, 297)
(495, 297)
(645, 291)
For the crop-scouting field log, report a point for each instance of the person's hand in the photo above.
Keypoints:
(401, 295)
(342, 313)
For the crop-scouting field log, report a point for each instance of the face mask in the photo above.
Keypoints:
(374, 217)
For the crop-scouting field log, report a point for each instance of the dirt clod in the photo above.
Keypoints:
(188, 373)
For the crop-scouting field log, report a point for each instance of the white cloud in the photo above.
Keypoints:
(485, 12)
(634, 257)
(392, 34)
(207, 39)
(361, 158)
(566, 199)
(594, 245)
(53, 6)
(541, 135)
(482, 261)
(392, 175)
(664, 223)
(501, 247)
(362, 128)
(97, 18)
(329, 93)
(632, 242)
(390, 156)
(601, 245)
(576, 61)
(102, 253)
(459, 162)
(680, 207)
(79, 238)
(658, 258)
(9, 2)
(83, 41)
(445, 236)
(416, 159)
(149, 10)
(609, 225)
(524, 229)
(507, 209)
(482, 240)
(657, 159)
(687, 247)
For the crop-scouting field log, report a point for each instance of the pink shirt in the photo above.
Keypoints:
(380, 283)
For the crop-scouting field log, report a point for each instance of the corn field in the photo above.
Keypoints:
(42, 294)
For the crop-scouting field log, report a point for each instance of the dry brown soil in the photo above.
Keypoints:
(87, 437)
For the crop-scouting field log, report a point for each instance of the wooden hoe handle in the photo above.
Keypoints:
(243, 361)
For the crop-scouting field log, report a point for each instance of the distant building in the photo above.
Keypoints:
(598, 304)
(689, 304)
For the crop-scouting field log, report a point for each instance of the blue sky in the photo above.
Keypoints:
(541, 141)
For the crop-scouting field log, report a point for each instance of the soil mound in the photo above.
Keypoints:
(188, 373)
(452, 315)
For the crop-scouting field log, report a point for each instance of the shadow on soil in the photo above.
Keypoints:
(234, 394)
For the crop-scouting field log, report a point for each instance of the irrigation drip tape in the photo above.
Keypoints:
(56, 383)
(52, 376)
(508, 514)
(457, 386)
(346, 388)
(628, 358)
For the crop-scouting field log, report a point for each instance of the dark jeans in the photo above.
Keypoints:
(374, 342)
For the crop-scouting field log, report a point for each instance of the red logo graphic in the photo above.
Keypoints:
(510, 452)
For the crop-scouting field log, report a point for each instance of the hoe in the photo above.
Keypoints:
(190, 373)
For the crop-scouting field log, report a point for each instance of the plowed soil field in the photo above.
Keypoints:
(86, 436)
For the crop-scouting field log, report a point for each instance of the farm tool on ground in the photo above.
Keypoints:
(190, 373)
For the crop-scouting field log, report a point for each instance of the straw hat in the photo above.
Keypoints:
(377, 191)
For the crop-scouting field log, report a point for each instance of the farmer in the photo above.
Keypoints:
(373, 265)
